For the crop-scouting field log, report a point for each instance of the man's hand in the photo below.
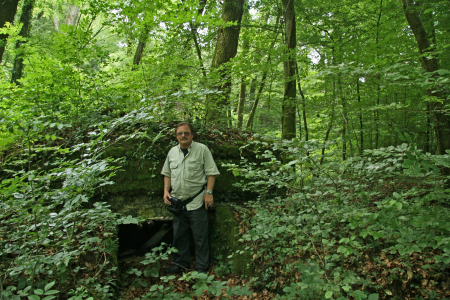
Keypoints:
(209, 200)
(166, 198)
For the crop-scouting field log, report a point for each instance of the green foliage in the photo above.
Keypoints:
(52, 240)
(336, 232)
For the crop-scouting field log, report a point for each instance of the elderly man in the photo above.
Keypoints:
(189, 166)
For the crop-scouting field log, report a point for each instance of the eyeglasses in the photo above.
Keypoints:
(186, 133)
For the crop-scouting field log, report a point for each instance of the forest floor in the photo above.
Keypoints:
(129, 291)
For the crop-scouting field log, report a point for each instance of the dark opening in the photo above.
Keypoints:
(137, 239)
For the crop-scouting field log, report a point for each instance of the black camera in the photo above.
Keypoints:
(176, 206)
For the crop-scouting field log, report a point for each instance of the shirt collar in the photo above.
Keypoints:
(191, 146)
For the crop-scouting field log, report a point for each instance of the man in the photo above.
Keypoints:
(188, 167)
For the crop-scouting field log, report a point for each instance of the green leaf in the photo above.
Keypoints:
(39, 292)
(49, 286)
(51, 292)
(34, 297)
(328, 294)
(373, 297)
(154, 272)
(199, 292)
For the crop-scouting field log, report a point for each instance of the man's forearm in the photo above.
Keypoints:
(167, 184)
(210, 182)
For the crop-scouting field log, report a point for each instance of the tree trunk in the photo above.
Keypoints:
(25, 19)
(305, 123)
(8, 9)
(251, 116)
(344, 118)
(226, 49)
(72, 15)
(241, 104)
(139, 50)
(289, 98)
(258, 96)
(194, 37)
(330, 124)
(243, 86)
(361, 134)
(251, 93)
(430, 64)
(376, 112)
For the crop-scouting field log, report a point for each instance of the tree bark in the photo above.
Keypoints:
(430, 64)
(8, 10)
(361, 133)
(139, 50)
(289, 99)
(241, 104)
(376, 112)
(25, 19)
(251, 116)
(330, 124)
(72, 15)
(243, 85)
(226, 49)
(305, 123)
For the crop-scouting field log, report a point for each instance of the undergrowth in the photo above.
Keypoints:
(373, 227)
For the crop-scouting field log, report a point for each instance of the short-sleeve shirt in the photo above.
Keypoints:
(189, 173)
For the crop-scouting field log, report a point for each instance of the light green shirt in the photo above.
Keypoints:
(188, 174)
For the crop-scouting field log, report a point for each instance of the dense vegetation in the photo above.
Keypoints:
(346, 104)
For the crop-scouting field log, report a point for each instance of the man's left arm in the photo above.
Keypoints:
(211, 172)
(209, 199)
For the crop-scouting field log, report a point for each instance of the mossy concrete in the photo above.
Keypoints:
(138, 185)
(225, 241)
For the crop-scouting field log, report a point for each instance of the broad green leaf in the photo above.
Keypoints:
(373, 297)
(49, 286)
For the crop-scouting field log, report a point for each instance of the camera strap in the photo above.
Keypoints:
(189, 200)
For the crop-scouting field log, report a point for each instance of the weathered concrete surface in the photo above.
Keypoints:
(225, 241)
(138, 187)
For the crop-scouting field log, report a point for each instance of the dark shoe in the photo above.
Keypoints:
(173, 270)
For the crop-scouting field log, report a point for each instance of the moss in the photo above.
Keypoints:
(138, 205)
(225, 241)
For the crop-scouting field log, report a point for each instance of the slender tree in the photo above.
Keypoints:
(25, 19)
(72, 15)
(305, 122)
(243, 85)
(289, 99)
(8, 9)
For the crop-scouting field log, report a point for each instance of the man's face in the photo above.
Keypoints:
(184, 136)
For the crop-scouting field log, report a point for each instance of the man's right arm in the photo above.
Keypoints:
(167, 184)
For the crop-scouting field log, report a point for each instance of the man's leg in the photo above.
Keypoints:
(198, 220)
(181, 239)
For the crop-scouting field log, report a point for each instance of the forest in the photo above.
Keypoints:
(331, 120)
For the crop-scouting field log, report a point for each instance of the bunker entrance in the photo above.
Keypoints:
(138, 239)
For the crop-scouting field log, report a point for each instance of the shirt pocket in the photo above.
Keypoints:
(174, 169)
(195, 170)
